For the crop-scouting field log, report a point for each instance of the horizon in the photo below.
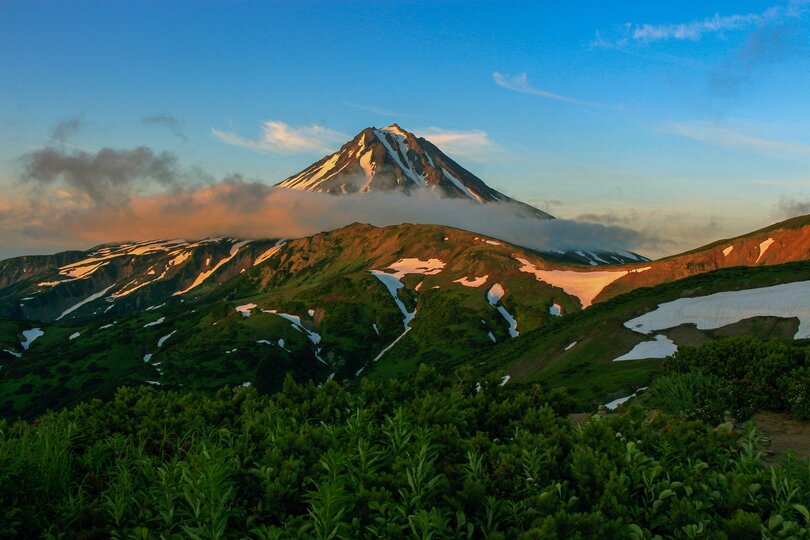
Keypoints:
(686, 124)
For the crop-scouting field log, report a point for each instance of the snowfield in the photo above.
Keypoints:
(472, 282)
(404, 267)
(155, 323)
(720, 309)
(31, 336)
(162, 340)
(245, 309)
(87, 300)
(494, 296)
(763, 247)
(584, 285)
(660, 347)
(269, 253)
(616, 402)
(205, 275)
(393, 284)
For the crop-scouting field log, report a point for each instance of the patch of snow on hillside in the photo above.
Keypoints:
(763, 247)
(616, 402)
(162, 340)
(640, 270)
(505, 379)
(147, 357)
(87, 300)
(179, 259)
(404, 267)
(31, 336)
(80, 272)
(492, 337)
(206, 274)
(720, 309)
(385, 350)
(244, 309)
(461, 187)
(727, 250)
(660, 347)
(583, 285)
(106, 326)
(314, 337)
(393, 284)
(513, 332)
(265, 342)
(495, 294)
(74, 335)
(311, 312)
(12, 353)
(571, 346)
(269, 253)
(556, 310)
(368, 169)
(472, 282)
(155, 323)
(374, 326)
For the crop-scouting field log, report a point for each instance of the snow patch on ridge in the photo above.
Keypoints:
(584, 285)
(205, 275)
(763, 247)
(87, 300)
(31, 336)
(660, 347)
(245, 309)
(720, 309)
(494, 296)
(472, 282)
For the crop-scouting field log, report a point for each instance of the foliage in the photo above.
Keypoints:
(747, 374)
(423, 457)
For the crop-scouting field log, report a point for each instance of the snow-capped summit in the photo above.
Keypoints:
(392, 159)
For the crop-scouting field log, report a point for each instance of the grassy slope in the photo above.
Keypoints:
(587, 368)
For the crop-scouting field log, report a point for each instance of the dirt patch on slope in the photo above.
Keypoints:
(786, 433)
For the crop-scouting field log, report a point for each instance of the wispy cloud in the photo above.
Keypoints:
(789, 207)
(279, 137)
(373, 109)
(65, 129)
(108, 176)
(172, 123)
(728, 137)
(520, 83)
(472, 145)
(697, 29)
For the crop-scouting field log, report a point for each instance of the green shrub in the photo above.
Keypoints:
(694, 396)
(798, 393)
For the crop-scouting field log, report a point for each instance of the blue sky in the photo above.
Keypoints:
(690, 121)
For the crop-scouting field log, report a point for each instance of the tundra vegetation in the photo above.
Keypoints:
(434, 455)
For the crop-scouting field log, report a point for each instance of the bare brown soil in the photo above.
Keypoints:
(786, 433)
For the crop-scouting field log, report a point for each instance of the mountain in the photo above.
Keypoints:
(358, 301)
(392, 159)
(120, 278)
